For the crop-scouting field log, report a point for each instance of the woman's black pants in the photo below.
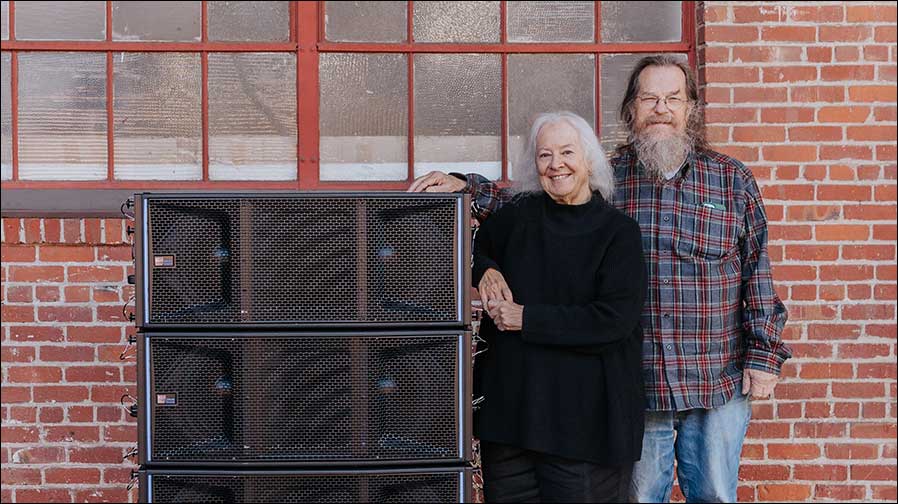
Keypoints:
(515, 475)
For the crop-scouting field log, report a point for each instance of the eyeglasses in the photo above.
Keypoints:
(671, 102)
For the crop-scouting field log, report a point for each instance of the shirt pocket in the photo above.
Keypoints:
(707, 234)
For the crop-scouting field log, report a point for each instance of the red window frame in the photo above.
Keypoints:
(306, 41)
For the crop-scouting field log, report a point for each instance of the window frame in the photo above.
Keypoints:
(306, 41)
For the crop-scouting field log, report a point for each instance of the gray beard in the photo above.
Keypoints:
(662, 156)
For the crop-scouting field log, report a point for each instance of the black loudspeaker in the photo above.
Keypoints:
(304, 399)
(437, 484)
(302, 260)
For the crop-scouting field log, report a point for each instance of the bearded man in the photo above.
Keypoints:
(712, 321)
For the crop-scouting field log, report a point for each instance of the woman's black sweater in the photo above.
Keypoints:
(569, 383)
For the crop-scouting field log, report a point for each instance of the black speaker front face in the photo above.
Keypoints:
(332, 398)
(403, 485)
(306, 260)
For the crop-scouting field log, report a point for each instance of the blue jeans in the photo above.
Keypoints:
(707, 445)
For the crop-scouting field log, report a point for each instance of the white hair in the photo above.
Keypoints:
(601, 178)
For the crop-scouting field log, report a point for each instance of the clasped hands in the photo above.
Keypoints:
(499, 303)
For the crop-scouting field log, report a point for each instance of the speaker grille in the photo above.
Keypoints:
(348, 487)
(315, 260)
(257, 398)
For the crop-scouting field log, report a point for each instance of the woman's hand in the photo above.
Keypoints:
(507, 315)
(493, 287)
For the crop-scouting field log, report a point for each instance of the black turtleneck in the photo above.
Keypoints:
(569, 383)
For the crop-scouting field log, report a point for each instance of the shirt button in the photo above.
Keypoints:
(666, 218)
(666, 280)
(667, 315)
(669, 347)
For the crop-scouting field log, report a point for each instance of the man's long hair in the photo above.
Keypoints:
(526, 175)
(695, 123)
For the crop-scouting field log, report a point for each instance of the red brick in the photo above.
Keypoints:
(851, 451)
(15, 476)
(16, 354)
(831, 94)
(112, 254)
(19, 294)
(846, 410)
(752, 451)
(824, 14)
(96, 455)
(10, 313)
(815, 133)
(112, 313)
(844, 193)
(872, 93)
(73, 475)
(857, 292)
(731, 33)
(820, 472)
(104, 494)
(95, 274)
(787, 115)
(847, 152)
(764, 472)
(858, 390)
(885, 34)
(77, 294)
(94, 334)
(114, 229)
(759, 134)
(813, 212)
(783, 493)
(842, 232)
(870, 252)
(847, 72)
(731, 74)
(843, 114)
(73, 433)
(885, 493)
(42, 495)
(888, 193)
(68, 353)
(789, 74)
(23, 414)
(839, 492)
(60, 393)
(787, 391)
(110, 414)
(795, 273)
(39, 455)
(872, 133)
(816, 371)
(92, 374)
(852, 33)
(714, 14)
(34, 374)
(863, 351)
(868, 312)
(32, 230)
(731, 115)
(47, 293)
(757, 94)
(794, 153)
(745, 154)
(885, 114)
(37, 274)
(35, 333)
(64, 314)
(80, 413)
(782, 33)
(881, 331)
(885, 292)
(848, 53)
(870, 212)
(52, 415)
(52, 230)
(873, 410)
(812, 252)
(874, 473)
(759, 14)
(20, 434)
(832, 292)
(871, 13)
(886, 153)
(12, 394)
(17, 253)
(120, 433)
(110, 393)
(51, 253)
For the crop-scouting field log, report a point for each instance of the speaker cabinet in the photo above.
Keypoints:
(302, 260)
(294, 398)
(289, 486)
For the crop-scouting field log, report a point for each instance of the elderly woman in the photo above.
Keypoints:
(562, 276)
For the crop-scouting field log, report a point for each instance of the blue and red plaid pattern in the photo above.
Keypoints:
(711, 308)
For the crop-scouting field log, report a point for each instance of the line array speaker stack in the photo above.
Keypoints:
(303, 347)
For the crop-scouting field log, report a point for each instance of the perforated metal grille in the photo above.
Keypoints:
(321, 398)
(316, 260)
(424, 487)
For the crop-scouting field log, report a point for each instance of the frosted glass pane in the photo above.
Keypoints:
(62, 116)
(534, 87)
(551, 21)
(364, 116)
(458, 113)
(5, 116)
(642, 21)
(456, 21)
(249, 21)
(60, 21)
(252, 116)
(160, 21)
(158, 133)
(366, 21)
(616, 70)
(4, 20)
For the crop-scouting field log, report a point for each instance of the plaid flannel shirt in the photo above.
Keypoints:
(711, 308)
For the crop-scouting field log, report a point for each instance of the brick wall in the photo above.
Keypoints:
(805, 94)
(64, 433)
